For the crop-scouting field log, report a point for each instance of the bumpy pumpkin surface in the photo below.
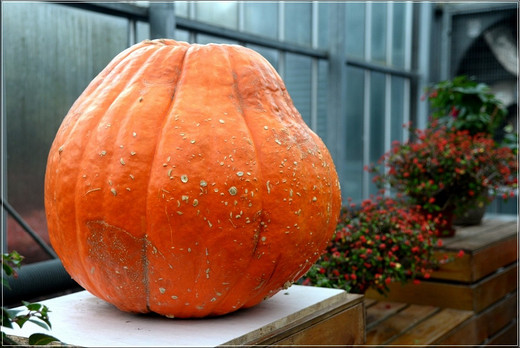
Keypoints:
(184, 182)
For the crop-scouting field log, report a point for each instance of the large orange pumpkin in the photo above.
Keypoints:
(184, 182)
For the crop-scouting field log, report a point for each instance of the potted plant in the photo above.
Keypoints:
(446, 171)
(464, 104)
(376, 243)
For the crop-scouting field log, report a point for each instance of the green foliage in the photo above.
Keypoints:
(464, 104)
(10, 261)
(35, 313)
(375, 244)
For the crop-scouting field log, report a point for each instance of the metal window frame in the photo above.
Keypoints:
(410, 76)
(243, 38)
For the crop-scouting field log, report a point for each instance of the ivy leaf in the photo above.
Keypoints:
(39, 339)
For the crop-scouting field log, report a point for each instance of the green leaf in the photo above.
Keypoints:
(7, 269)
(12, 313)
(39, 339)
(20, 320)
(6, 283)
(32, 306)
(40, 323)
(6, 318)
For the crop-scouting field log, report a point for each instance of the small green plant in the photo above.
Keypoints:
(465, 104)
(33, 312)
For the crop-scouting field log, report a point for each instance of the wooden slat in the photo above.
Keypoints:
(485, 324)
(429, 293)
(475, 297)
(486, 247)
(345, 328)
(469, 232)
(382, 310)
(481, 240)
(507, 336)
(434, 328)
(496, 256)
(494, 287)
(369, 302)
(402, 321)
(475, 265)
(458, 269)
(311, 319)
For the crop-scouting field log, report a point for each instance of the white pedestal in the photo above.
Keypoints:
(84, 320)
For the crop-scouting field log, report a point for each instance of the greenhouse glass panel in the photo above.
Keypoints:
(298, 23)
(377, 121)
(181, 8)
(298, 82)
(142, 31)
(47, 65)
(397, 109)
(379, 30)
(219, 13)
(182, 35)
(323, 90)
(261, 18)
(355, 30)
(377, 115)
(398, 36)
(323, 25)
(353, 175)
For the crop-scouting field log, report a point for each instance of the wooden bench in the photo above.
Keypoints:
(470, 300)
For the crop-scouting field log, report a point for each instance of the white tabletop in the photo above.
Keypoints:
(84, 320)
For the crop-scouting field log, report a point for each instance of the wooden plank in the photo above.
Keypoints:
(496, 256)
(482, 240)
(507, 336)
(345, 328)
(475, 297)
(458, 269)
(382, 310)
(434, 328)
(293, 325)
(485, 324)
(474, 265)
(469, 232)
(369, 302)
(393, 326)
(432, 293)
(494, 287)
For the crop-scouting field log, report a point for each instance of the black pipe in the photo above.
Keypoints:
(37, 281)
(28, 229)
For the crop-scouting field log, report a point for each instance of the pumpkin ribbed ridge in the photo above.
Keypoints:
(66, 155)
(199, 189)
